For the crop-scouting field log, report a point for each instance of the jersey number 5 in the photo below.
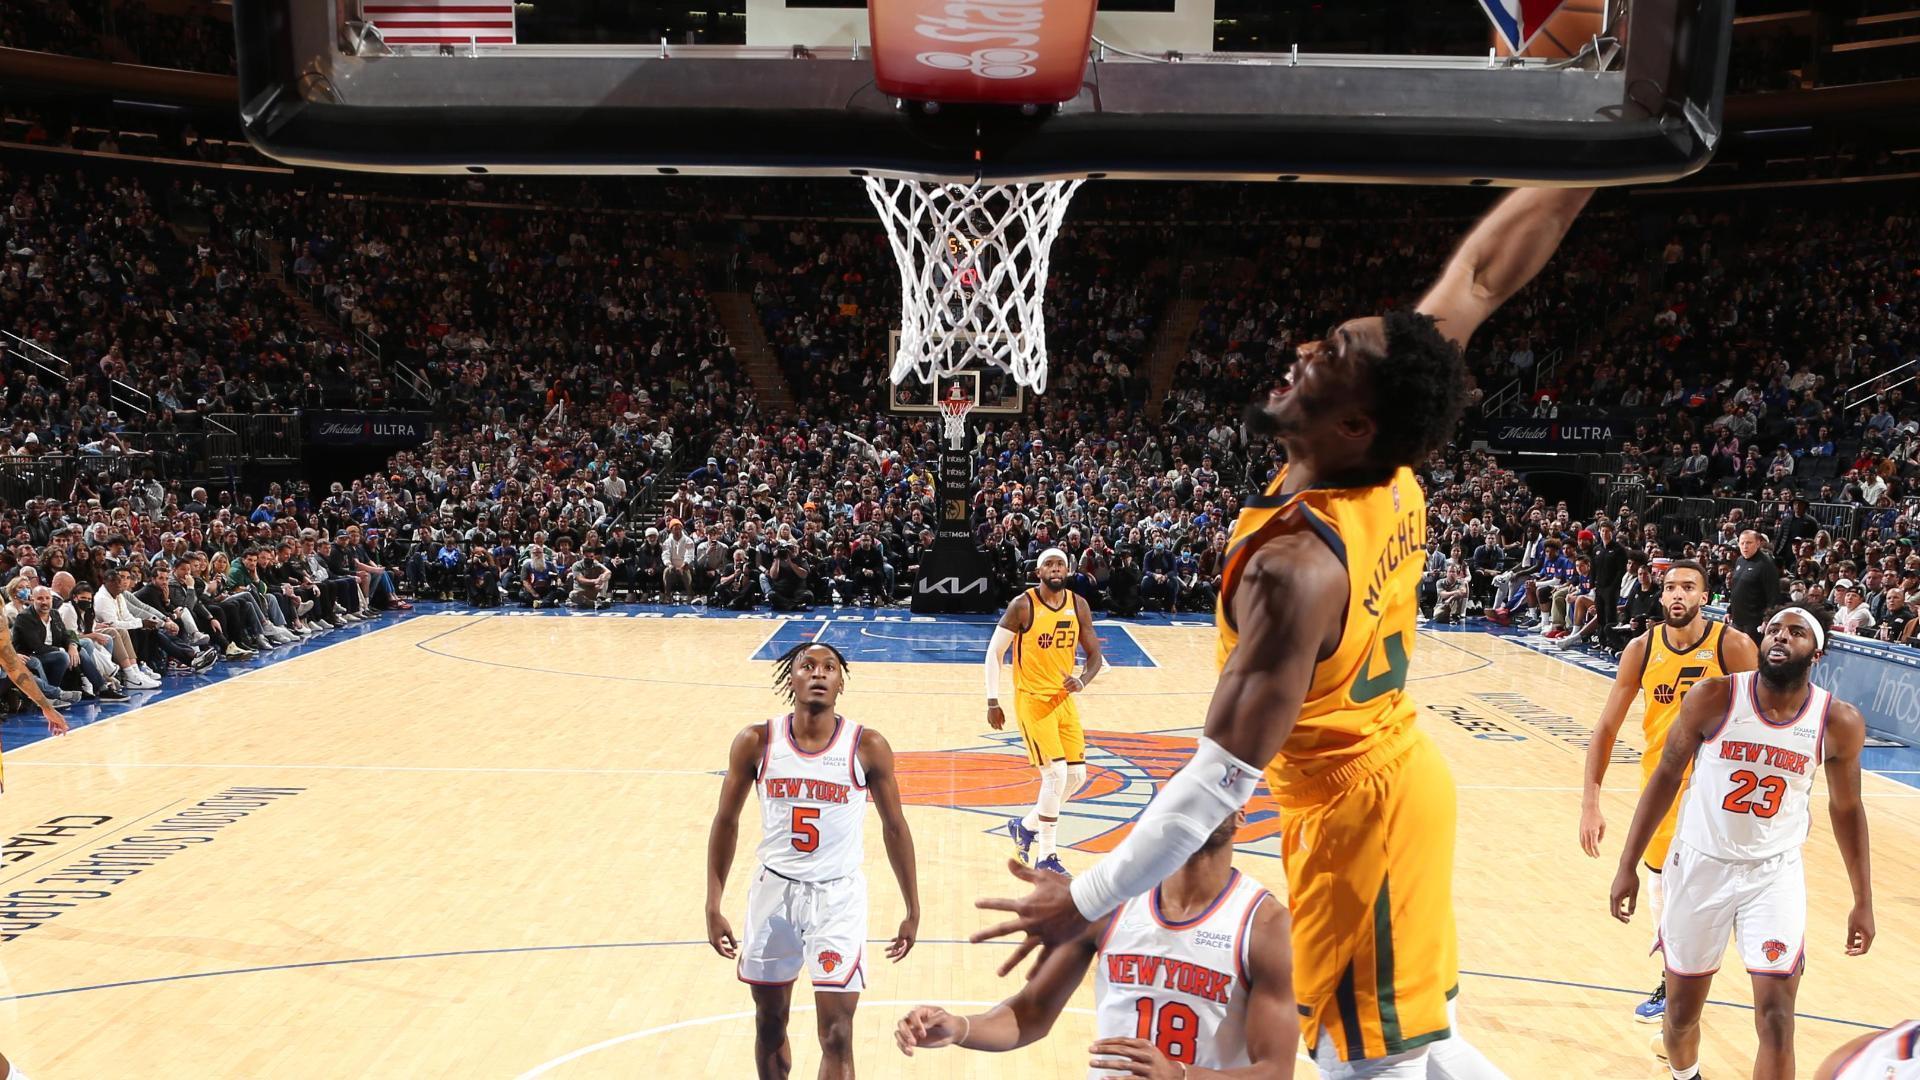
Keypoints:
(1173, 1034)
(1741, 801)
(806, 835)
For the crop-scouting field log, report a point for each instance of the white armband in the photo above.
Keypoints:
(1193, 803)
(996, 652)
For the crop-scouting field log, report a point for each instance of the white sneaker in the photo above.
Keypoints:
(305, 606)
(134, 679)
(149, 672)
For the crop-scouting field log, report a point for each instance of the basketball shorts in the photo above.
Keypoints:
(1369, 857)
(1760, 902)
(819, 926)
(1051, 728)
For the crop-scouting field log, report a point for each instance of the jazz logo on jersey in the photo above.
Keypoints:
(1774, 950)
(1665, 693)
(1062, 637)
(829, 960)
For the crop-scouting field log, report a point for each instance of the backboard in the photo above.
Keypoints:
(992, 390)
(321, 84)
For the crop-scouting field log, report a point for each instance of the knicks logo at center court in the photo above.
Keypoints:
(1123, 772)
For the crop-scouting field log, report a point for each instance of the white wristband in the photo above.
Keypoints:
(1210, 786)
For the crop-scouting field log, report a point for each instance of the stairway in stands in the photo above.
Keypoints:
(1169, 348)
(742, 323)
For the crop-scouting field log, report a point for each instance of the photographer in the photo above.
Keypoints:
(739, 588)
(789, 577)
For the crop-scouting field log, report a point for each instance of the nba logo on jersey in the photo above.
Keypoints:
(1518, 20)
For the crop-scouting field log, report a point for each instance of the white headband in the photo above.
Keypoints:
(1050, 553)
(1819, 632)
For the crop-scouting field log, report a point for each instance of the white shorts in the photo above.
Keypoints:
(794, 924)
(1762, 903)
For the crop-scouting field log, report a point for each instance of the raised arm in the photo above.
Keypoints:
(1502, 253)
(1089, 644)
(743, 761)
(1701, 711)
(1626, 683)
(876, 757)
(1846, 734)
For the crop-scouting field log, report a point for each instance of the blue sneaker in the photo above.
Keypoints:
(1652, 1010)
(1023, 837)
(1052, 864)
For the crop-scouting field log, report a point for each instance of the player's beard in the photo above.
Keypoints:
(1780, 676)
(1692, 613)
(1222, 835)
(1260, 422)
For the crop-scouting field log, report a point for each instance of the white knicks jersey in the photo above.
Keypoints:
(1894, 1054)
(1750, 793)
(1180, 986)
(812, 806)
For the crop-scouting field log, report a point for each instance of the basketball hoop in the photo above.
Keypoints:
(973, 272)
(953, 418)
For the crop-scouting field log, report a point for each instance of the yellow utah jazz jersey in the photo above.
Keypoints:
(1358, 699)
(1043, 653)
(1670, 671)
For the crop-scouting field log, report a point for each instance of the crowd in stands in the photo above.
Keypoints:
(131, 31)
(598, 440)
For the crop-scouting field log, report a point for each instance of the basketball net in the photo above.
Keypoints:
(953, 418)
(973, 272)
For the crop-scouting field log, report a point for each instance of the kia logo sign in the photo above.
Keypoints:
(952, 586)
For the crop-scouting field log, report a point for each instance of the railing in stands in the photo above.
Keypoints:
(34, 355)
(263, 437)
(1840, 519)
(1523, 386)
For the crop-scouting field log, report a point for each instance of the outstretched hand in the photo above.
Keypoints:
(1046, 915)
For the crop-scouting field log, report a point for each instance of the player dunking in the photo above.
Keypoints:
(807, 906)
(1663, 663)
(1047, 627)
(1754, 741)
(1317, 625)
(1191, 980)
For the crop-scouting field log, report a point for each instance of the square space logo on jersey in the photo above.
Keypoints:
(1518, 20)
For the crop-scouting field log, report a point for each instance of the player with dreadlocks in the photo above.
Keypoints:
(807, 906)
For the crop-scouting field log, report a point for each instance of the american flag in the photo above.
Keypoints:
(442, 22)
(1516, 20)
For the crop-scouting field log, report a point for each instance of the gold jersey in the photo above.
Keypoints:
(1044, 653)
(1358, 699)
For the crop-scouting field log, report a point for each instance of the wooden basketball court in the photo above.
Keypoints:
(473, 846)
